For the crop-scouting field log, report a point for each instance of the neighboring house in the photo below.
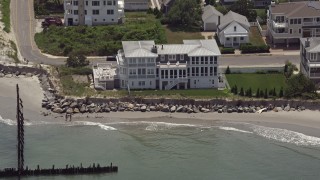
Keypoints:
(310, 58)
(211, 18)
(287, 22)
(136, 5)
(93, 12)
(193, 64)
(104, 76)
(233, 30)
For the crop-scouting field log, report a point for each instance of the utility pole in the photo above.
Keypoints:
(20, 127)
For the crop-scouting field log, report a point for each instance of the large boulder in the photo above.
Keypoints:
(57, 110)
(83, 109)
(74, 105)
(287, 108)
(69, 110)
(173, 109)
(143, 108)
(65, 104)
(153, 108)
(76, 110)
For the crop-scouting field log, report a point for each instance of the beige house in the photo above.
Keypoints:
(288, 22)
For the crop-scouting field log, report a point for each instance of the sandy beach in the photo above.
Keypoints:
(307, 121)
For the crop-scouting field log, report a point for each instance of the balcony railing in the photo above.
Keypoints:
(315, 74)
(280, 24)
(311, 24)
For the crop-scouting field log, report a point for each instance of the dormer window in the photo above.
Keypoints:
(181, 56)
(162, 57)
(235, 28)
(172, 57)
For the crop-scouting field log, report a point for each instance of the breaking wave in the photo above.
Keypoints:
(287, 136)
(233, 129)
(88, 123)
(7, 121)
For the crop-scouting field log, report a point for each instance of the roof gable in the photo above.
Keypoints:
(234, 17)
(209, 11)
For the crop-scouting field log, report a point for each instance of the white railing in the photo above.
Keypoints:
(311, 23)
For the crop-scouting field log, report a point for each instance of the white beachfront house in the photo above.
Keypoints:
(93, 12)
(233, 30)
(310, 58)
(193, 64)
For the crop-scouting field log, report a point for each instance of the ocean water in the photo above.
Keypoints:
(158, 150)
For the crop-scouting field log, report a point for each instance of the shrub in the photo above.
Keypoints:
(225, 50)
(228, 70)
(258, 93)
(241, 92)
(76, 60)
(281, 92)
(265, 94)
(254, 49)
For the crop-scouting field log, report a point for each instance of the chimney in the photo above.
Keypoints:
(307, 43)
(162, 46)
(218, 20)
(154, 49)
(273, 3)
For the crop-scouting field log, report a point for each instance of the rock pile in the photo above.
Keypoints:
(62, 105)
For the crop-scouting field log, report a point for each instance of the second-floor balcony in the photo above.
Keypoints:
(279, 24)
(314, 23)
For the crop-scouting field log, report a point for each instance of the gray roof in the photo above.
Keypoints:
(138, 48)
(192, 48)
(297, 9)
(234, 17)
(136, 1)
(314, 44)
(209, 11)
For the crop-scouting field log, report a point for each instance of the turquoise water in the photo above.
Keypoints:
(146, 150)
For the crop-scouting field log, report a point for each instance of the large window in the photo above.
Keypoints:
(142, 83)
(172, 57)
(150, 71)
(95, 3)
(109, 3)
(313, 56)
(75, 3)
(110, 11)
(75, 12)
(132, 71)
(95, 12)
(181, 56)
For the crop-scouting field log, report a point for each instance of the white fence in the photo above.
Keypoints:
(262, 32)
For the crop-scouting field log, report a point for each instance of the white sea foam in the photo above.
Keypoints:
(88, 123)
(287, 136)
(234, 129)
(7, 121)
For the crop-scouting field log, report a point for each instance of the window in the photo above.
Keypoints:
(291, 21)
(104, 3)
(75, 3)
(228, 39)
(110, 11)
(215, 71)
(313, 56)
(172, 57)
(299, 21)
(142, 83)
(132, 71)
(75, 12)
(181, 56)
(87, 4)
(290, 31)
(95, 3)
(215, 60)
(162, 57)
(141, 61)
(235, 28)
(114, 3)
(299, 31)
(141, 71)
(132, 83)
(109, 3)
(95, 12)
(234, 39)
(150, 71)
(85, 12)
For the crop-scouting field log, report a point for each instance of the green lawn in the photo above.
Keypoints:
(176, 36)
(100, 40)
(188, 93)
(255, 81)
(5, 11)
(255, 37)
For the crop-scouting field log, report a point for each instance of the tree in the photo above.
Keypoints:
(185, 13)
(261, 93)
(245, 8)
(249, 93)
(281, 92)
(241, 92)
(288, 69)
(274, 93)
(258, 93)
(299, 84)
(222, 9)
(228, 70)
(235, 89)
(210, 2)
(266, 94)
(76, 60)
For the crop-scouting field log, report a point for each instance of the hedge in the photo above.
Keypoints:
(227, 50)
(254, 49)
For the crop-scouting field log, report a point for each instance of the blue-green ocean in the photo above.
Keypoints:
(158, 150)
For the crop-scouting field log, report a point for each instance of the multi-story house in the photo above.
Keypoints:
(93, 12)
(288, 22)
(193, 64)
(310, 58)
